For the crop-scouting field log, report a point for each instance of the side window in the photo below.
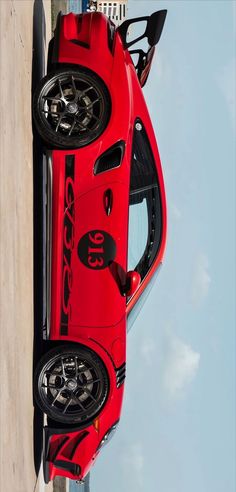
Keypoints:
(145, 223)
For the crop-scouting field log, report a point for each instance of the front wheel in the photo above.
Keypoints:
(71, 108)
(71, 384)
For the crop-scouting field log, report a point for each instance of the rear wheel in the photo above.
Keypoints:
(71, 384)
(71, 108)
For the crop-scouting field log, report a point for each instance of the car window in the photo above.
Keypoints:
(138, 233)
(145, 222)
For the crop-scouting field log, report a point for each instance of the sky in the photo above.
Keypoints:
(177, 432)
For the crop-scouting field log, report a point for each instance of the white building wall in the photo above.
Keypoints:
(116, 11)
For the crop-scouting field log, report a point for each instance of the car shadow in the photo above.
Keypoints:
(38, 71)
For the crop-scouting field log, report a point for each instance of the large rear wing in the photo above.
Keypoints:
(154, 27)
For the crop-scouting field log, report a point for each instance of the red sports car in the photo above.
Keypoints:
(106, 227)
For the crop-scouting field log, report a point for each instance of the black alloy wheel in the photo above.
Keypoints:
(71, 384)
(71, 108)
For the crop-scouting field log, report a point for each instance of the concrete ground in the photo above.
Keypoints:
(57, 6)
(21, 23)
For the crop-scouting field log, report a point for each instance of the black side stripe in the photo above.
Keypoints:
(66, 260)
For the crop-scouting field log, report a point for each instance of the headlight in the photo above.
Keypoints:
(108, 436)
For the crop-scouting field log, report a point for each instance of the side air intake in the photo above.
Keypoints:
(110, 159)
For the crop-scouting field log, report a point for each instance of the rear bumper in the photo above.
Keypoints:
(84, 39)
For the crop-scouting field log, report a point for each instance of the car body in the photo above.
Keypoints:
(103, 176)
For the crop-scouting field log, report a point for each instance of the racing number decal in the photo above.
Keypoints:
(97, 249)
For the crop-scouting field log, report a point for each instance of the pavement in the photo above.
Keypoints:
(24, 25)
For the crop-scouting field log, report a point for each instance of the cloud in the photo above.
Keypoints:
(175, 212)
(180, 368)
(201, 280)
(133, 462)
(148, 349)
(227, 83)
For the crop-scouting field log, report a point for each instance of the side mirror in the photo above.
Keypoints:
(133, 280)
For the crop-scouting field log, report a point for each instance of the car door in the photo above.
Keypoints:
(99, 259)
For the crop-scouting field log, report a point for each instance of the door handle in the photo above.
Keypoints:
(108, 201)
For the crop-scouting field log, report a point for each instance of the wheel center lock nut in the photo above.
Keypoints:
(72, 107)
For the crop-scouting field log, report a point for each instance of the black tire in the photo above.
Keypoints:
(61, 387)
(71, 108)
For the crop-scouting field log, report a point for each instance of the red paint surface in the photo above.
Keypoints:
(96, 309)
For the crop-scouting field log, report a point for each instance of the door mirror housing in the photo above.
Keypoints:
(133, 281)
